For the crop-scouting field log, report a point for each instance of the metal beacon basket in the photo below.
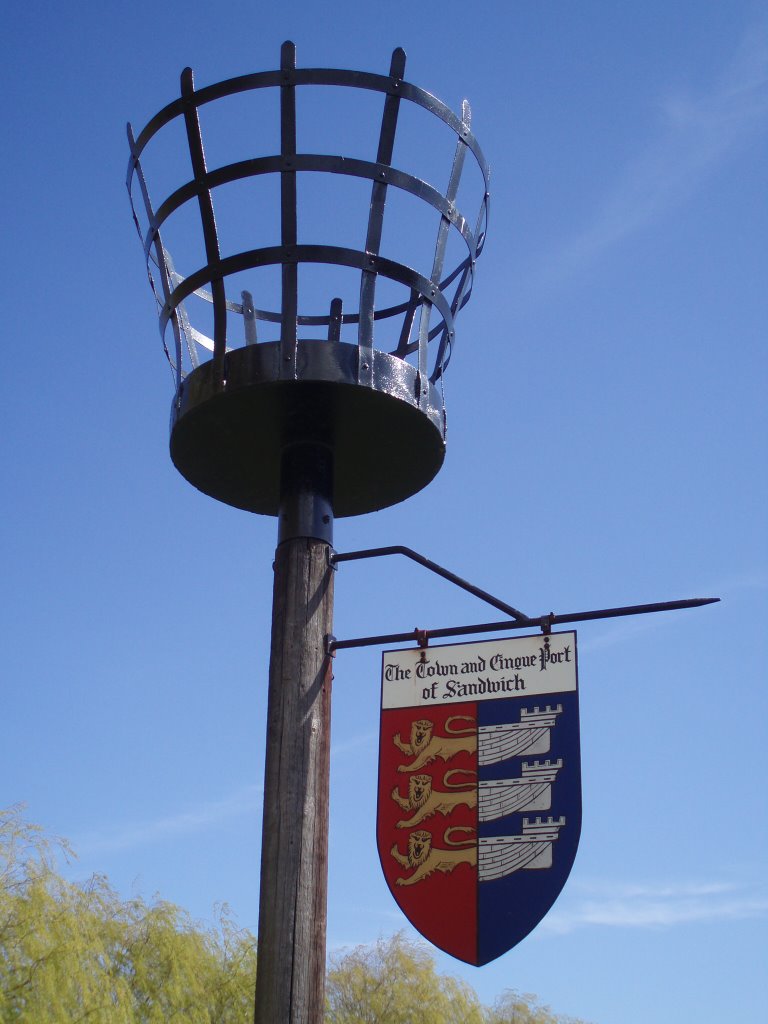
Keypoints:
(354, 383)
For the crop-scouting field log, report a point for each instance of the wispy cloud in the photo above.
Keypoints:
(739, 584)
(198, 818)
(602, 904)
(620, 632)
(657, 906)
(696, 134)
(195, 819)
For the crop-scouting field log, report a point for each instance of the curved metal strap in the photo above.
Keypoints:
(315, 76)
(330, 254)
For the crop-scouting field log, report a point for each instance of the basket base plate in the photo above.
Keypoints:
(228, 441)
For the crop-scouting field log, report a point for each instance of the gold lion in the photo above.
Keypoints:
(424, 859)
(425, 801)
(425, 747)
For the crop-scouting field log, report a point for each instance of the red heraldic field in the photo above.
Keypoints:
(479, 804)
(427, 826)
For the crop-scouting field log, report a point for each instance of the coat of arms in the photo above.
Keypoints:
(479, 808)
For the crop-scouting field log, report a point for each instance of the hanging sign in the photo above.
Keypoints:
(479, 807)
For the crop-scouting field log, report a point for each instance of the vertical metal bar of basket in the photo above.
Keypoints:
(335, 320)
(461, 296)
(180, 317)
(407, 325)
(210, 237)
(249, 318)
(445, 224)
(288, 215)
(153, 239)
(376, 219)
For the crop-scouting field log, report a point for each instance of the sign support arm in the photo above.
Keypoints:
(544, 622)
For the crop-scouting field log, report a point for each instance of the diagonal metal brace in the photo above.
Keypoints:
(350, 556)
(518, 621)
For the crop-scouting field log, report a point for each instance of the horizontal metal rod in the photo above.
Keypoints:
(542, 622)
(351, 556)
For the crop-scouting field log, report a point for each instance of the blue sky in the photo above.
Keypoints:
(607, 440)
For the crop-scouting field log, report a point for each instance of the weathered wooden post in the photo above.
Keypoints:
(294, 851)
(320, 421)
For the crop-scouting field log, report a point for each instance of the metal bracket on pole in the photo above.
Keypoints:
(422, 639)
(518, 621)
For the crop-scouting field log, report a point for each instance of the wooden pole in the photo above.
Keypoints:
(290, 980)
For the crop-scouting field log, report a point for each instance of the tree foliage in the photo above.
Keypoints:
(395, 981)
(72, 953)
(523, 1008)
(80, 953)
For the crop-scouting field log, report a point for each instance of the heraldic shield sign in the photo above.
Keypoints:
(479, 805)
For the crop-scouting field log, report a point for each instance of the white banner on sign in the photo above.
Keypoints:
(484, 670)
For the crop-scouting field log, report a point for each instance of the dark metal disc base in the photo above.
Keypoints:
(228, 441)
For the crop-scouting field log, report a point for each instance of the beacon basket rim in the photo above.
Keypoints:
(444, 291)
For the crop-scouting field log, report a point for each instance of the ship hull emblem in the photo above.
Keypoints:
(479, 804)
